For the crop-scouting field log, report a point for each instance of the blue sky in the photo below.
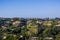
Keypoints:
(30, 8)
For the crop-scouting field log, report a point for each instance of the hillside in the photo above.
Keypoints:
(29, 29)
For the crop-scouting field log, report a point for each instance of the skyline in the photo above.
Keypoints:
(30, 8)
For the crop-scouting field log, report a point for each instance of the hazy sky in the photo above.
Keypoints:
(30, 8)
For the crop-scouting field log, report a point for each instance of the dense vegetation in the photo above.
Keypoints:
(29, 29)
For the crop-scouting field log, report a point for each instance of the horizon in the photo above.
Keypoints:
(30, 8)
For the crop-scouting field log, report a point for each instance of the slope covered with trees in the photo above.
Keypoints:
(29, 29)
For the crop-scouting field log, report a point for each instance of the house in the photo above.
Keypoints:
(16, 23)
(47, 23)
(40, 22)
(4, 36)
(4, 27)
(58, 25)
(33, 38)
(48, 38)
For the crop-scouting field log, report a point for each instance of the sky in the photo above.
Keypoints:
(30, 8)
